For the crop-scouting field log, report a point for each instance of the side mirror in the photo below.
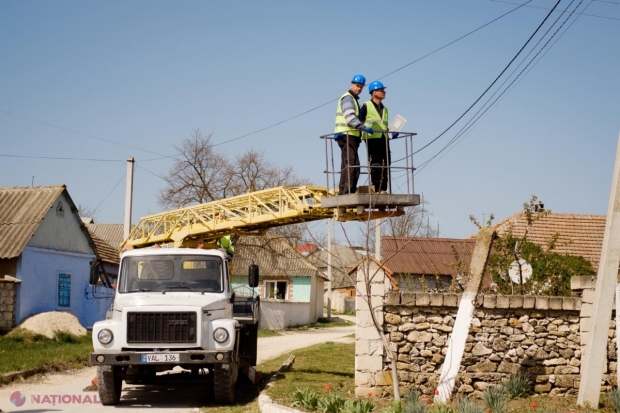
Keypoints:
(253, 275)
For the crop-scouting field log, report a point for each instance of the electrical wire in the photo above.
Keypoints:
(152, 173)
(492, 83)
(473, 121)
(546, 8)
(109, 193)
(79, 133)
(62, 158)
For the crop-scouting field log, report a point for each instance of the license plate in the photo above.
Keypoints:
(159, 358)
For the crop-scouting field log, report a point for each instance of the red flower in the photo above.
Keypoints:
(436, 392)
(534, 405)
(488, 410)
(427, 400)
(369, 393)
(328, 387)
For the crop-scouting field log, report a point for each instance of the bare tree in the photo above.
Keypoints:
(414, 223)
(86, 212)
(200, 174)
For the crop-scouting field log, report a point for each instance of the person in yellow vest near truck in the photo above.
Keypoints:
(348, 134)
(226, 243)
(375, 116)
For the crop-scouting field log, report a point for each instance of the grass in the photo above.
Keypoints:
(322, 323)
(268, 333)
(22, 350)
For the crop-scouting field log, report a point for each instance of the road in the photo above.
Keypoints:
(67, 389)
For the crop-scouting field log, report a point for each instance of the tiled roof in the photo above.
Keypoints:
(105, 251)
(425, 256)
(21, 211)
(274, 256)
(578, 234)
(110, 233)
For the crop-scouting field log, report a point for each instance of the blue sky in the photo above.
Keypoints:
(146, 74)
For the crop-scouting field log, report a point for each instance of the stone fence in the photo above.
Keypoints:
(540, 337)
(7, 304)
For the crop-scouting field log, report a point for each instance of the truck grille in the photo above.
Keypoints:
(177, 327)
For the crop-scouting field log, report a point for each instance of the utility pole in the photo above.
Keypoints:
(378, 240)
(594, 356)
(329, 268)
(128, 197)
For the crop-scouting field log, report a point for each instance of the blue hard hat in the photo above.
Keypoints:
(359, 79)
(374, 86)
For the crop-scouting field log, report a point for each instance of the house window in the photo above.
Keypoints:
(60, 209)
(276, 289)
(64, 290)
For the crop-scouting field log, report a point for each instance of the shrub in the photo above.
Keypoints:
(357, 406)
(332, 403)
(393, 407)
(305, 398)
(517, 385)
(464, 405)
(494, 398)
(614, 395)
(413, 404)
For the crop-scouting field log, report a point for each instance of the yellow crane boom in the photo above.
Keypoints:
(256, 212)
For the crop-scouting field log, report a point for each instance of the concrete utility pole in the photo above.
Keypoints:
(329, 268)
(595, 352)
(465, 314)
(128, 197)
(378, 240)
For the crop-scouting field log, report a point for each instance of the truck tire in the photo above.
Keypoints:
(224, 383)
(110, 384)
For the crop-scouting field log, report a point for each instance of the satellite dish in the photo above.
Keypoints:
(513, 271)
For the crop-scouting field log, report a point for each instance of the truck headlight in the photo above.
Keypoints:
(220, 335)
(105, 336)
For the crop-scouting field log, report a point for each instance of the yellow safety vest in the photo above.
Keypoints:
(226, 243)
(341, 123)
(378, 124)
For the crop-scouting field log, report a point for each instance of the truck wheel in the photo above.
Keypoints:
(110, 384)
(224, 383)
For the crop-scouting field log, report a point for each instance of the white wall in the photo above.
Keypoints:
(280, 314)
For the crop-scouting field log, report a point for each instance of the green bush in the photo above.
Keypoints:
(358, 406)
(517, 385)
(413, 404)
(614, 396)
(331, 403)
(464, 405)
(306, 398)
(494, 398)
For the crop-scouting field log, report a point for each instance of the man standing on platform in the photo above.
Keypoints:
(348, 133)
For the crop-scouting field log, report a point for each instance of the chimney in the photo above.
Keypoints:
(539, 207)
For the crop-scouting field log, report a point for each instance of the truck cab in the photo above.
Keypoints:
(175, 307)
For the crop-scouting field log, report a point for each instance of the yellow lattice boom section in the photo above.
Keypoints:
(252, 213)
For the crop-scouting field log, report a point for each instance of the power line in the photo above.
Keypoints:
(79, 133)
(62, 158)
(475, 120)
(384, 76)
(564, 11)
(109, 193)
(492, 83)
(152, 173)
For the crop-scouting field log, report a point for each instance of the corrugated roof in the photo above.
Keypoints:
(110, 233)
(343, 258)
(21, 211)
(420, 256)
(274, 256)
(578, 234)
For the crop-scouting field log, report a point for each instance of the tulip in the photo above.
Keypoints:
(534, 405)
(328, 387)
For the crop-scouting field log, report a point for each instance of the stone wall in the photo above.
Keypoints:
(538, 336)
(7, 304)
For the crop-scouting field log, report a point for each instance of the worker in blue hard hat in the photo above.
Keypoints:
(348, 134)
(375, 116)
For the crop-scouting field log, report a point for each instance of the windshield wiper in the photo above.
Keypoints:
(144, 290)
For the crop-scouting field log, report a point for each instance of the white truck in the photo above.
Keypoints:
(176, 307)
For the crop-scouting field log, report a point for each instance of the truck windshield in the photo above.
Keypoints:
(171, 273)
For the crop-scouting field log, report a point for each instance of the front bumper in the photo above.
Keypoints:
(126, 358)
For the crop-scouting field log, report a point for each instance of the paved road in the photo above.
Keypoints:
(67, 389)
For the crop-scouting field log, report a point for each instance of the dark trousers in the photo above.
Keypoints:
(349, 164)
(379, 160)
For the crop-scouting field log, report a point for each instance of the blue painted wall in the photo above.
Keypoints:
(38, 270)
(302, 289)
